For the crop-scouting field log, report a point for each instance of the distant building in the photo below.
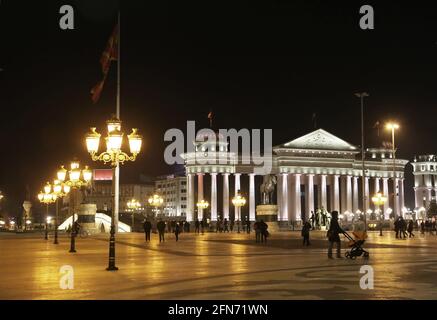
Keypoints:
(425, 180)
(173, 189)
(101, 194)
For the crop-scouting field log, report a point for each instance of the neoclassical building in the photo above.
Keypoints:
(317, 170)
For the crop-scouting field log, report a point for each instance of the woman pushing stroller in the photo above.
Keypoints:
(333, 235)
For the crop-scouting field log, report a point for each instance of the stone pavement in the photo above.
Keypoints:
(215, 266)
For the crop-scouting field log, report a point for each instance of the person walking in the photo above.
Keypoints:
(257, 231)
(306, 233)
(147, 228)
(232, 225)
(161, 230)
(397, 227)
(226, 229)
(248, 226)
(410, 229)
(202, 226)
(404, 228)
(196, 226)
(177, 230)
(333, 235)
(263, 230)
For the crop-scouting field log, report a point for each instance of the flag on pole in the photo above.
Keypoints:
(210, 116)
(110, 54)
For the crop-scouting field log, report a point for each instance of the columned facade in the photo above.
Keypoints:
(315, 172)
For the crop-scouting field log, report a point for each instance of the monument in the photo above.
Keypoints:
(268, 211)
(87, 217)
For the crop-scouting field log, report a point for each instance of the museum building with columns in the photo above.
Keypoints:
(315, 171)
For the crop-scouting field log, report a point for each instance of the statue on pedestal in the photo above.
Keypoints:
(267, 188)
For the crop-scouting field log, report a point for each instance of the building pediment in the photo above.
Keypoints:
(319, 140)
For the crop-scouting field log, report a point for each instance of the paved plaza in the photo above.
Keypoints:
(215, 266)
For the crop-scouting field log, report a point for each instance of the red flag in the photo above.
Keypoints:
(110, 54)
(111, 51)
(97, 90)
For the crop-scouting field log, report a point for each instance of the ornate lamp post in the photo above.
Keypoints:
(133, 205)
(156, 201)
(77, 179)
(378, 200)
(393, 126)
(47, 197)
(238, 201)
(113, 156)
(202, 205)
(60, 189)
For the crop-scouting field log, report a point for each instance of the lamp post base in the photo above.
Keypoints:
(111, 263)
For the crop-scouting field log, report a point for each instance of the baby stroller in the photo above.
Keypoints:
(356, 245)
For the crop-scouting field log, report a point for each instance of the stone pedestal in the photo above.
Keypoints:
(87, 217)
(269, 214)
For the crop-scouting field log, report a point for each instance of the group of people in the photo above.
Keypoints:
(175, 227)
(428, 226)
(403, 229)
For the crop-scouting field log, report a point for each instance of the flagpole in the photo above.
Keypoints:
(117, 168)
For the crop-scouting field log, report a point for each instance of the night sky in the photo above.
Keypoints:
(258, 64)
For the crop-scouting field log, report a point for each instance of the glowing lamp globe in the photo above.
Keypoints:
(93, 141)
(135, 141)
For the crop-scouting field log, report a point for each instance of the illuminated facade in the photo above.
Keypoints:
(173, 189)
(425, 180)
(318, 170)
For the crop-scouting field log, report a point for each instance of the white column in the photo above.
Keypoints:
(355, 204)
(309, 196)
(349, 194)
(199, 195)
(396, 208)
(213, 196)
(190, 202)
(385, 193)
(366, 194)
(284, 207)
(237, 188)
(401, 196)
(377, 189)
(252, 197)
(296, 198)
(336, 194)
(226, 196)
(323, 201)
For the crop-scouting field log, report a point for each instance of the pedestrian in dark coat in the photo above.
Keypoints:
(263, 230)
(196, 226)
(161, 230)
(177, 230)
(397, 227)
(306, 233)
(226, 229)
(147, 228)
(410, 229)
(333, 235)
(248, 226)
(257, 231)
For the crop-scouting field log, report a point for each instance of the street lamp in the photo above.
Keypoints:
(378, 200)
(238, 201)
(133, 205)
(202, 205)
(47, 197)
(363, 95)
(114, 156)
(77, 179)
(60, 189)
(393, 126)
(155, 201)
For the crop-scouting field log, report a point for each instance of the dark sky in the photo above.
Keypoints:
(258, 64)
